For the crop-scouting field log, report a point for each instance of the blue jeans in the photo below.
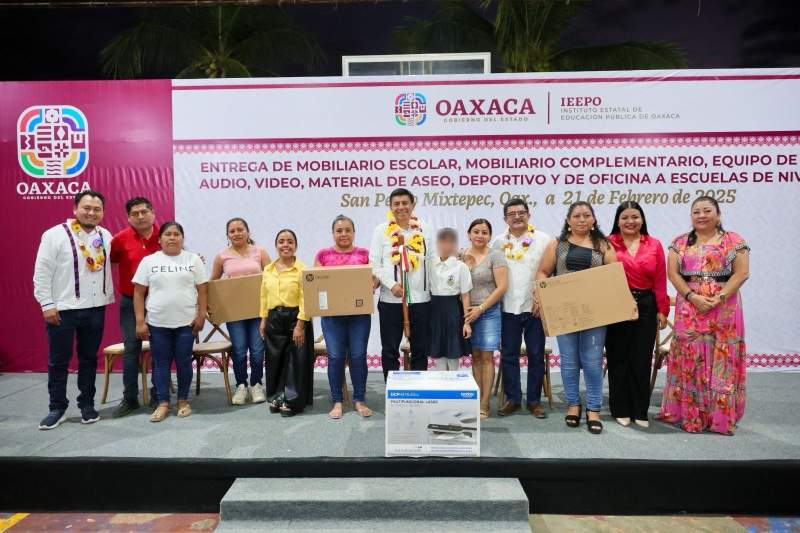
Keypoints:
(515, 327)
(346, 338)
(82, 328)
(168, 345)
(583, 349)
(245, 336)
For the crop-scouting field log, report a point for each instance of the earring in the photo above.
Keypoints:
(569, 228)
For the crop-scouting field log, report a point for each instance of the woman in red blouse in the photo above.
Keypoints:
(629, 345)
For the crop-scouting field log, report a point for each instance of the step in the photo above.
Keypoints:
(321, 502)
(352, 525)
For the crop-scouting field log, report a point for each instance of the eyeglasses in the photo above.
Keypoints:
(516, 214)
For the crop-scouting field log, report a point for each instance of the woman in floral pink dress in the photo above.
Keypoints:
(705, 387)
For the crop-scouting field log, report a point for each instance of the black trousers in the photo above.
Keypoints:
(391, 323)
(629, 352)
(290, 368)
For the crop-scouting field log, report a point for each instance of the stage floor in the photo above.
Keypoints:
(216, 430)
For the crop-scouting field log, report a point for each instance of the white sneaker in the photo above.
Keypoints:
(642, 423)
(240, 396)
(624, 421)
(257, 393)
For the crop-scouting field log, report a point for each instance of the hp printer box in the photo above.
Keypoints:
(432, 414)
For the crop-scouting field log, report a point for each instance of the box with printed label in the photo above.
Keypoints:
(232, 299)
(432, 414)
(338, 290)
(585, 299)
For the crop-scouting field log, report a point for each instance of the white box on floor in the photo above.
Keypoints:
(432, 414)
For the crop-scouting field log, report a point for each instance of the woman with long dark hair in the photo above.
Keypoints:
(286, 330)
(706, 369)
(581, 245)
(629, 344)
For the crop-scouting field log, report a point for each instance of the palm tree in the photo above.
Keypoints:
(524, 36)
(210, 42)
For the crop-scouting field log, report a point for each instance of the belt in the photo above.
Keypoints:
(642, 293)
(718, 279)
(281, 308)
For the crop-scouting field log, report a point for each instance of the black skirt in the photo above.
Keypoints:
(447, 323)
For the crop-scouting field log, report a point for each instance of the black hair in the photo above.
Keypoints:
(244, 223)
(512, 203)
(598, 238)
(92, 193)
(629, 205)
(692, 238)
(478, 221)
(166, 225)
(341, 218)
(447, 234)
(137, 200)
(285, 230)
(400, 191)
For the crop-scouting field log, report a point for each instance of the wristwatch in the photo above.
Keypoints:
(722, 296)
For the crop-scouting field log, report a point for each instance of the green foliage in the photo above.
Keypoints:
(210, 42)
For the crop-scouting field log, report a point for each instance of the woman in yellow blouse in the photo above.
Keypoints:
(287, 331)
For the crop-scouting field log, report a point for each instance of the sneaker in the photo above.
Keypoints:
(89, 415)
(53, 419)
(240, 397)
(257, 393)
(125, 407)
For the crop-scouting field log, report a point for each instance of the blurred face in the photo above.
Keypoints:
(141, 218)
(445, 247)
(89, 212)
(237, 233)
(480, 235)
(343, 234)
(630, 222)
(285, 245)
(517, 217)
(171, 241)
(581, 220)
(705, 216)
(402, 207)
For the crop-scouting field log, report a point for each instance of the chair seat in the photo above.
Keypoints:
(119, 348)
(211, 347)
(320, 348)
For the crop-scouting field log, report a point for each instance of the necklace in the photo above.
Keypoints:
(94, 253)
(525, 244)
(408, 253)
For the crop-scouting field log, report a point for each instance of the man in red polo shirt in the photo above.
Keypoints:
(128, 248)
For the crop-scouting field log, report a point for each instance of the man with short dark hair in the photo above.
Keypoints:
(523, 246)
(73, 284)
(392, 263)
(129, 247)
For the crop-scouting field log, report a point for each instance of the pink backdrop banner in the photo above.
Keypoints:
(129, 149)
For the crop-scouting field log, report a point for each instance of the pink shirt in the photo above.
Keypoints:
(647, 270)
(234, 265)
(331, 257)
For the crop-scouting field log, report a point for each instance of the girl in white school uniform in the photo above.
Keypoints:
(450, 283)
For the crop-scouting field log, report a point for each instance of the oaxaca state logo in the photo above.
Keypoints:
(53, 141)
(410, 109)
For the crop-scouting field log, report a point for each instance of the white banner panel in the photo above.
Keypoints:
(297, 152)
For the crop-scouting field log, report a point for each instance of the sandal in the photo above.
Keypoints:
(160, 413)
(484, 414)
(595, 426)
(184, 409)
(275, 406)
(363, 410)
(574, 421)
(287, 411)
(336, 412)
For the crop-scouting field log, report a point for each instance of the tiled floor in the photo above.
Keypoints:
(111, 522)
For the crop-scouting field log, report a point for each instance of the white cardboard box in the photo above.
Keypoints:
(432, 414)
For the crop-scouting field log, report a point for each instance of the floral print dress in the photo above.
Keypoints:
(706, 369)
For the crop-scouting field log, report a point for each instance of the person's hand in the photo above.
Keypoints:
(467, 331)
(262, 329)
(703, 304)
(198, 323)
(375, 283)
(52, 317)
(299, 333)
(142, 331)
(473, 314)
(397, 290)
(661, 320)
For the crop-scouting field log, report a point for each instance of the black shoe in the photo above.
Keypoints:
(574, 421)
(595, 426)
(125, 407)
(275, 406)
(89, 415)
(53, 419)
(287, 411)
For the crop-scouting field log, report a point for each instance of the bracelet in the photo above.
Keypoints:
(481, 307)
(686, 297)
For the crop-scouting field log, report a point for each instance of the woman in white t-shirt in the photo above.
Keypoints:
(175, 286)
